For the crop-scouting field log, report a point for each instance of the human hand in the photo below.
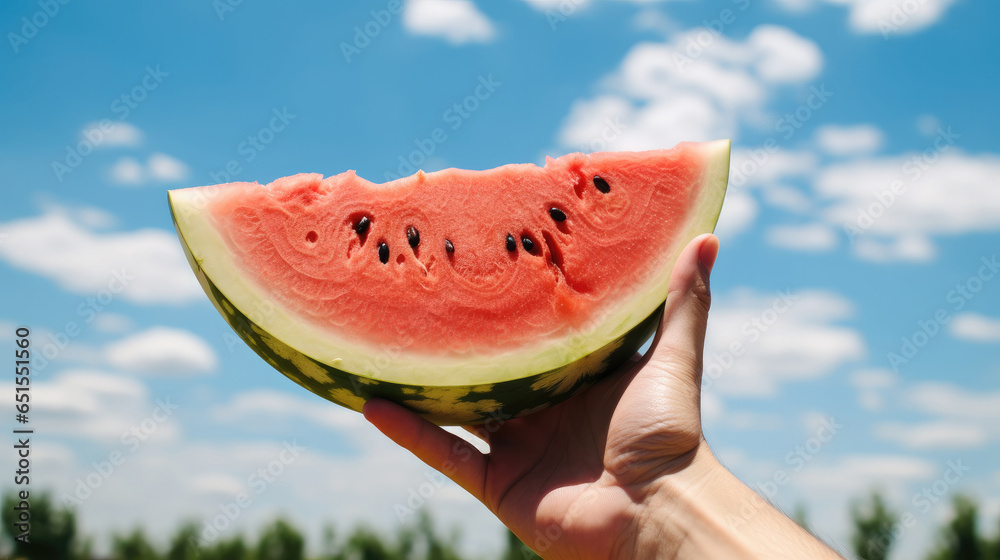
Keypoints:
(620, 470)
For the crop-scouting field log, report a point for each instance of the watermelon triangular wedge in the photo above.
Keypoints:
(463, 295)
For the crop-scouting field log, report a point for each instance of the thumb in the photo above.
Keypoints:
(681, 337)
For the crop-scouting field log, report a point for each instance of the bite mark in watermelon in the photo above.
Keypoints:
(462, 294)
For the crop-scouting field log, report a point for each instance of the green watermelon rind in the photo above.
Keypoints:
(469, 404)
(581, 361)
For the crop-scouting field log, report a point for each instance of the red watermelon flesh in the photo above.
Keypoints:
(451, 283)
(463, 295)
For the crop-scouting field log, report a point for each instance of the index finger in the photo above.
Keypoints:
(443, 451)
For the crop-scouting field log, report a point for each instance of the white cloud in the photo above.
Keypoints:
(320, 483)
(142, 266)
(225, 485)
(52, 457)
(975, 327)
(757, 341)
(89, 216)
(127, 171)
(162, 350)
(182, 479)
(114, 323)
(941, 191)
(795, 5)
(854, 474)
(110, 133)
(947, 400)
(651, 19)
(738, 212)
(783, 56)
(7, 330)
(715, 414)
(787, 198)
(58, 347)
(932, 435)
(885, 17)
(813, 421)
(759, 167)
(875, 378)
(97, 406)
(712, 407)
(554, 4)
(872, 385)
(912, 248)
(769, 170)
(159, 168)
(265, 405)
(663, 93)
(746, 420)
(662, 123)
(831, 485)
(458, 21)
(893, 16)
(849, 140)
(928, 125)
(652, 71)
(60, 394)
(589, 119)
(570, 6)
(166, 168)
(808, 237)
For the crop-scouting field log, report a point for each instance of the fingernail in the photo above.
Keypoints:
(708, 252)
(365, 408)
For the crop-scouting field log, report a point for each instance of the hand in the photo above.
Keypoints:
(620, 470)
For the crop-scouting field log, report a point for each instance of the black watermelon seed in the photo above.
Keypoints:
(383, 252)
(527, 243)
(511, 243)
(312, 237)
(557, 214)
(362, 226)
(448, 246)
(601, 184)
(413, 236)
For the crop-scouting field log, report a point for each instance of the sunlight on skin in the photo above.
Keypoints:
(621, 470)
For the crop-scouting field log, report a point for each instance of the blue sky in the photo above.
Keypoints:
(862, 216)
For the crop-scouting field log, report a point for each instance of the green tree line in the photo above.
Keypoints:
(877, 527)
(54, 536)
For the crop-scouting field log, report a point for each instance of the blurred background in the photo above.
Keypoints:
(852, 373)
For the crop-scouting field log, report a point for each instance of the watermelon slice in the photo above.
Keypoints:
(463, 295)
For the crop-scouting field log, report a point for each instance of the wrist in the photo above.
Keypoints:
(704, 511)
(674, 513)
